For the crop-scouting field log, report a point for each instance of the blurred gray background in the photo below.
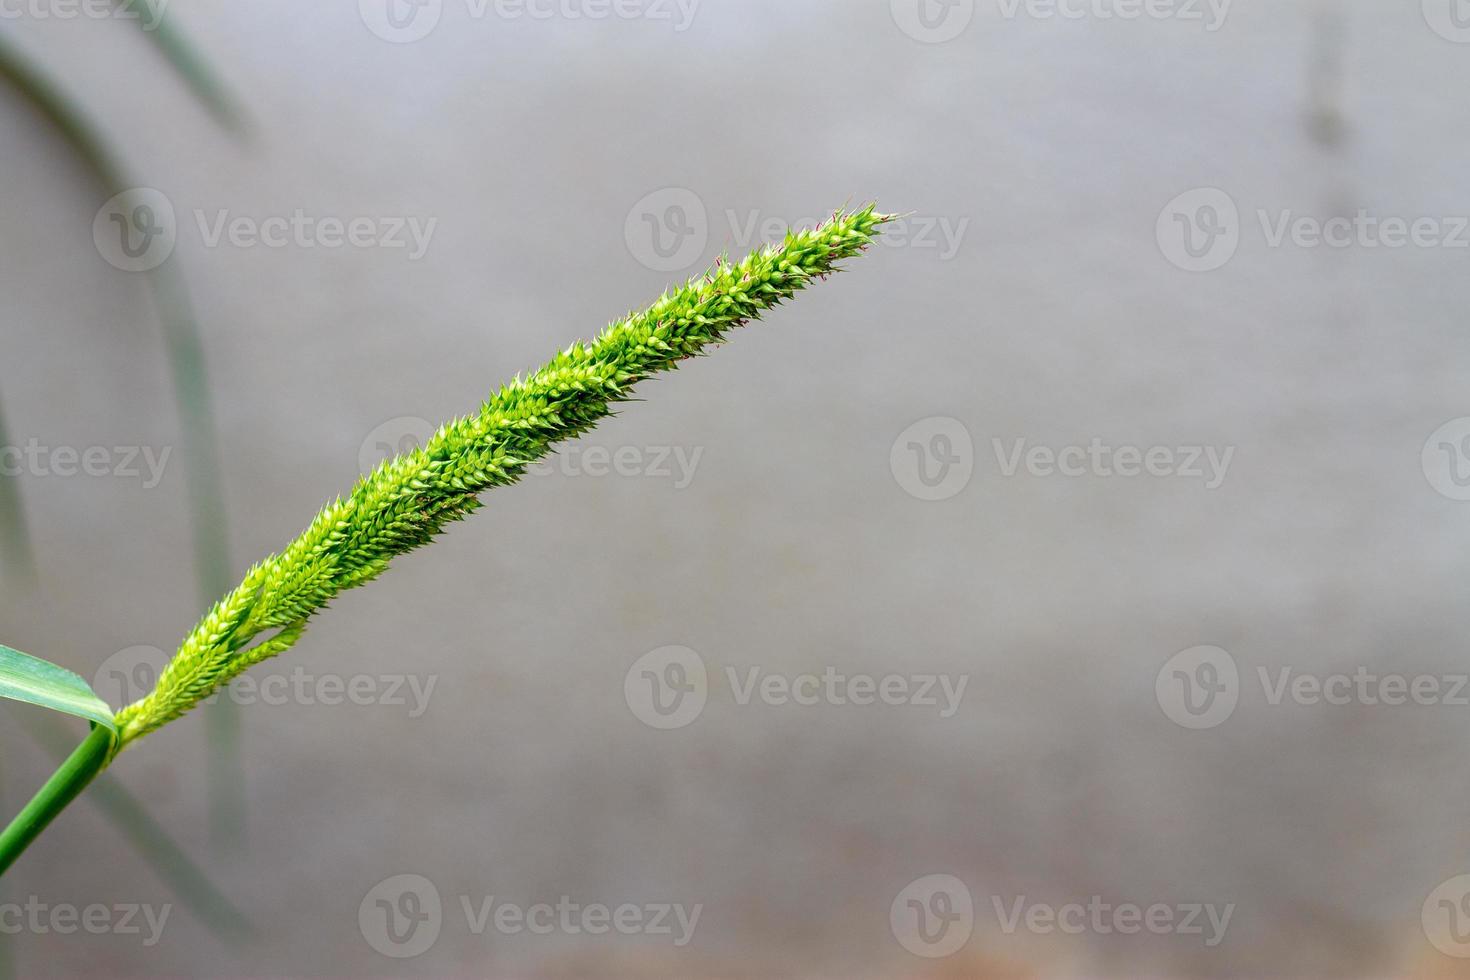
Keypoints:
(1051, 164)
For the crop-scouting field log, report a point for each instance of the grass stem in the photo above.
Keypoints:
(80, 768)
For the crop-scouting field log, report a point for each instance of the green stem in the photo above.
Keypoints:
(90, 758)
(147, 836)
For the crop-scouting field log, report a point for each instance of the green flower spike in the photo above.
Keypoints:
(408, 500)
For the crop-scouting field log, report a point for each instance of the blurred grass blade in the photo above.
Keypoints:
(180, 329)
(58, 109)
(39, 682)
(17, 559)
(7, 957)
(226, 782)
(148, 837)
(191, 391)
(186, 61)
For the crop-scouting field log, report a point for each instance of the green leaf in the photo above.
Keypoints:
(34, 681)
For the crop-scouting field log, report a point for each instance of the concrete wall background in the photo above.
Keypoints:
(1050, 148)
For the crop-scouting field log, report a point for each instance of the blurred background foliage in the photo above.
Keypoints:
(87, 139)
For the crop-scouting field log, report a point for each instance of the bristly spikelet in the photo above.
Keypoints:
(407, 500)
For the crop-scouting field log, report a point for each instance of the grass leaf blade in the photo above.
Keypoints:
(202, 81)
(39, 682)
